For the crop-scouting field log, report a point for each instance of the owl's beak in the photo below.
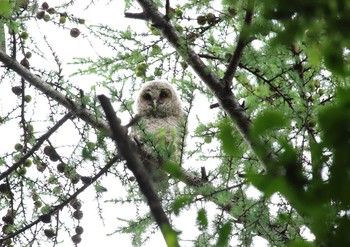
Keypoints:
(154, 105)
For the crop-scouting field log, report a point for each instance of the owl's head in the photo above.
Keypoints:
(158, 99)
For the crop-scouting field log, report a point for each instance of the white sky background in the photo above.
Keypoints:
(67, 48)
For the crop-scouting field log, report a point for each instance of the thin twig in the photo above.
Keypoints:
(60, 206)
(76, 109)
(36, 146)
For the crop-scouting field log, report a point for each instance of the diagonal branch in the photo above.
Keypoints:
(226, 97)
(36, 146)
(179, 43)
(242, 42)
(60, 206)
(127, 150)
(84, 114)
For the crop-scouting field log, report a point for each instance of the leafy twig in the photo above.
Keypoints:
(48, 90)
(60, 206)
(36, 146)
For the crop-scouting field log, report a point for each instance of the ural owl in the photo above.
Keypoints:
(160, 131)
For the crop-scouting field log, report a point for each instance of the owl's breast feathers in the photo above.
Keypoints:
(154, 125)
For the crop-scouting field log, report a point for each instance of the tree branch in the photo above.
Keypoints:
(77, 109)
(140, 16)
(36, 146)
(242, 42)
(226, 100)
(167, 9)
(65, 202)
(179, 43)
(127, 150)
(268, 82)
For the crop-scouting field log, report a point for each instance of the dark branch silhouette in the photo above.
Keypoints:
(242, 42)
(75, 109)
(127, 150)
(140, 16)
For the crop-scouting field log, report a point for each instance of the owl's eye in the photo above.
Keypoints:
(163, 94)
(147, 97)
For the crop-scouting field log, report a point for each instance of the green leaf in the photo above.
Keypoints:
(99, 188)
(224, 235)
(5, 8)
(267, 121)
(224, 197)
(333, 54)
(202, 220)
(300, 243)
(315, 54)
(334, 121)
(127, 106)
(45, 209)
(126, 34)
(229, 138)
(13, 26)
(85, 100)
(266, 183)
(170, 236)
(155, 50)
(180, 203)
(173, 169)
(86, 153)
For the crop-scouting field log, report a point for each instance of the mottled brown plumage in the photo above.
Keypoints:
(160, 130)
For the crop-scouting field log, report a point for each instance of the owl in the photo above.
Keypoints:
(161, 129)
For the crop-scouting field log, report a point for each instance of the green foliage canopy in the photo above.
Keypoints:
(277, 118)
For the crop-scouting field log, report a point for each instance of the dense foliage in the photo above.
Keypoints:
(272, 78)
